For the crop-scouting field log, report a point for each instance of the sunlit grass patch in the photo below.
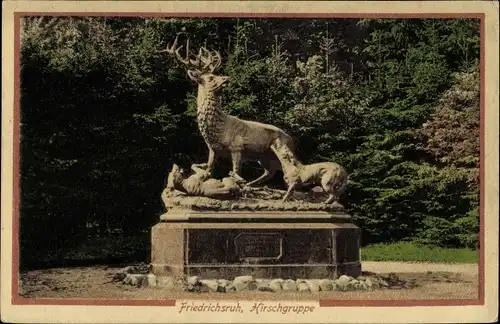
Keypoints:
(411, 252)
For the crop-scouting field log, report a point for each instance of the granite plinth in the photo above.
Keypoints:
(263, 244)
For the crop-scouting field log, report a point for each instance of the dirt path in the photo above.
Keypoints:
(436, 281)
(469, 269)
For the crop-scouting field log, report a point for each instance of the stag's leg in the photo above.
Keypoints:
(209, 166)
(236, 159)
(211, 161)
(270, 167)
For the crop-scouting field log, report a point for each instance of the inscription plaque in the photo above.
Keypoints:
(259, 246)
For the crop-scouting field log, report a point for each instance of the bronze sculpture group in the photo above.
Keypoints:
(241, 140)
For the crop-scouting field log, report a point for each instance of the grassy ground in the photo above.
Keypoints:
(410, 252)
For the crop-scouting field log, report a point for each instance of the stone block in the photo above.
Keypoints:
(258, 244)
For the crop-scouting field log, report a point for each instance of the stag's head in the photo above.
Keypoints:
(200, 68)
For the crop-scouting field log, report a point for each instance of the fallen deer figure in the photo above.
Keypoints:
(331, 176)
(200, 183)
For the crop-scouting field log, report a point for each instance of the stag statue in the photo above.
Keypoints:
(227, 136)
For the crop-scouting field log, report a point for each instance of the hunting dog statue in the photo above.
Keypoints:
(332, 177)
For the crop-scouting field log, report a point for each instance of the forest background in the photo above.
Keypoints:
(103, 117)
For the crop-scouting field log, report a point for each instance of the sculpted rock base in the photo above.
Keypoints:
(255, 199)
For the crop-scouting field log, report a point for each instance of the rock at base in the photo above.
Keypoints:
(265, 288)
(312, 285)
(289, 285)
(244, 283)
(193, 281)
(353, 285)
(326, 285)
(230, 288)
(223, 282)
(345, 279)
(212, 285)
(276, 285)
(167, 283)
(149, 281)
(244, 286)
(243, 279)
(302, 286)
(134, 279)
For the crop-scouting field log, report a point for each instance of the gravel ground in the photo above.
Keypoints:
(437, 281)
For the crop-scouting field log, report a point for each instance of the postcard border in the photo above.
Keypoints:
(17, 300)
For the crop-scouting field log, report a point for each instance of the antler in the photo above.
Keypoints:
(205, 61)
(212, 62)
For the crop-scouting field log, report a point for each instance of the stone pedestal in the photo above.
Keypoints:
(284, 245)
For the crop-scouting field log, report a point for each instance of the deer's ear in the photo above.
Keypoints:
(193, 75)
